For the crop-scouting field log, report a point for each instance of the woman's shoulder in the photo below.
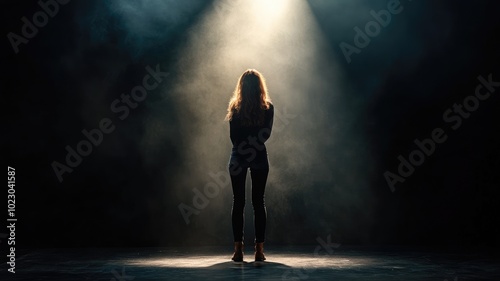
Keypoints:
(269, 113)
(271, 106)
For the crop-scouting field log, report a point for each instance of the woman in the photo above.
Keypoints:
(250, 114)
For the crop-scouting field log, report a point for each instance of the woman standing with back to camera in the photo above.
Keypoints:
(250, 114)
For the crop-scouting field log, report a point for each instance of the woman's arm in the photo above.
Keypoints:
(232, 131)
(268, 124)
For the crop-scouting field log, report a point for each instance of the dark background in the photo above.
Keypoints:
(428, 59)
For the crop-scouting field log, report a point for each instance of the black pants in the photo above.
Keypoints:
(259, 169)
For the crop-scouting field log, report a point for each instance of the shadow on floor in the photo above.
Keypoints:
(248, 265)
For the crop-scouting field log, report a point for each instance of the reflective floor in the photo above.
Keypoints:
(284, 263)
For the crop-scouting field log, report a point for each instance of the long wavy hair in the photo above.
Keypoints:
(250, 99)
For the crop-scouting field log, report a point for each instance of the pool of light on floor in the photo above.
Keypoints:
(284, 260)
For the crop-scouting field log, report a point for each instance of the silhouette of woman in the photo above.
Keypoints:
(250, 115)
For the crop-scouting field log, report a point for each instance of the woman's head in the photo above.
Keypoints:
(250, 98)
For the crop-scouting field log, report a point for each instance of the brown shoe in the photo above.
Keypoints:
(259, 252)
(238, 252)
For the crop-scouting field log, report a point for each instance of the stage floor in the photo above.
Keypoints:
(284, 263)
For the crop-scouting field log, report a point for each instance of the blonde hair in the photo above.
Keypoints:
(250, 99)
